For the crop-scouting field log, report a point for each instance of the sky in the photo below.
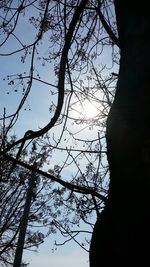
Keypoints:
(65, 256)
(35, 115)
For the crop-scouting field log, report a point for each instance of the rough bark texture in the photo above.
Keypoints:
(121, 235)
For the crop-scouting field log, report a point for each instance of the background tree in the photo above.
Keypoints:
(16, 188)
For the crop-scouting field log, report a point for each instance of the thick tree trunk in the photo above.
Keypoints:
(122, 233)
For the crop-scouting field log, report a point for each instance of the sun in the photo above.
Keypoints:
(89, 110)
(85, 110)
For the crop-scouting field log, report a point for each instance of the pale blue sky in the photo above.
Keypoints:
(69, 255)
(39, 100)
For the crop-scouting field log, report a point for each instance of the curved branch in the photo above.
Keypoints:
(62, 70)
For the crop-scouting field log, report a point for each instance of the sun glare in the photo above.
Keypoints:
(86, 110)
(89, 110)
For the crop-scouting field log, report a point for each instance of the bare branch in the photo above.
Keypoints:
(70, 186)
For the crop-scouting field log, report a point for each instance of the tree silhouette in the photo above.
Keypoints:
(123, 226)
(83, 41)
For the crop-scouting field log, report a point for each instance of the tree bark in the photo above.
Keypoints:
(122, 233)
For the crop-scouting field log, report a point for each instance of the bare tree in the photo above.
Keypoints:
(77, 37)
(23, 203)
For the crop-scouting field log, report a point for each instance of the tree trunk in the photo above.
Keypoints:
(122, 233)
(24, 222)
